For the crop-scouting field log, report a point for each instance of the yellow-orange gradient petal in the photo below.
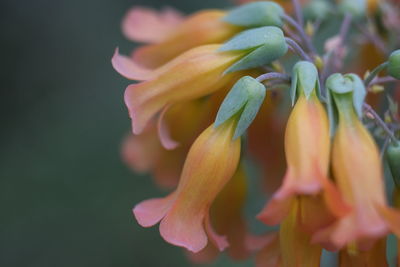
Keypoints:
(358, 172)
(194, 74)
(307, 150)
(204, 27)
(210, 163)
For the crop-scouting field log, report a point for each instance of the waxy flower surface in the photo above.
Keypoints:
(232, 107)
(184, 214)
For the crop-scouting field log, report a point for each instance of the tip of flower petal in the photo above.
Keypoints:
(187, 232)
(128, 68)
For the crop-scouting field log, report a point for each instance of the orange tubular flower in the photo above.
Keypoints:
(358, 172)
(200, 70)
(184, 214)
(205, 27)
(307, 149)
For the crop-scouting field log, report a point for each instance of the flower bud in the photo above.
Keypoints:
(357, 8)
(393, 159)
(317, 9)
(394, 64)
(263, 13)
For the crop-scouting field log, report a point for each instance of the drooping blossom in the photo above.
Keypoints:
(184, 214)
(358, 172)
(307, 150)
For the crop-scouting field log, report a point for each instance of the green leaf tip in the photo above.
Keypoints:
(305, 78)
(262, 45)
(244, 100)
(257, 14)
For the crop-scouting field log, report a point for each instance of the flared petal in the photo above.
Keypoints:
(147, 25)
(129, 69)
(202, 28)
(150, 212)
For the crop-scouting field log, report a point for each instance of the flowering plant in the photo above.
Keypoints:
(220, 92)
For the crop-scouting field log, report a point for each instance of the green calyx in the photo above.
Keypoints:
(261, 45)
(346, 96)
(243, 101)
(339, 84)
(317, 9)
(257, 14)
(393, 159)
(357, 8)
(394, 64)
(304, 80)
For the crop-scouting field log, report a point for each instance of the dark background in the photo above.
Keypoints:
(65, 195)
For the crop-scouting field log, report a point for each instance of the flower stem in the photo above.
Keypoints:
(306, 39)
(297, 48)
(379, 121)
(375, 72)
(298, 12)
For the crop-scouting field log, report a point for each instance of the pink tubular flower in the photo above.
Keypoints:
(184, 214)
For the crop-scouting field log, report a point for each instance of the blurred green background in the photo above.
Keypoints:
(65, 195)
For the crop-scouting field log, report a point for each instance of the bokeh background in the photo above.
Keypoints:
(65, 195)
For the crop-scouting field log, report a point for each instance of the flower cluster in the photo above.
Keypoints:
(218, 91)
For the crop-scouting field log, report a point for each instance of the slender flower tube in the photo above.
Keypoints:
(307, 149)
(194, 74)
(184, 214)
(204, 27)
(358, 173)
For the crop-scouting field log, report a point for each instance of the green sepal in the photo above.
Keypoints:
(304, 78)
(263, 45)
(359, 93)
(244, 100)
(317, 9)
(393, 160)
(357, 8)
(257, 14)
(332, 113)
(394, 64)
